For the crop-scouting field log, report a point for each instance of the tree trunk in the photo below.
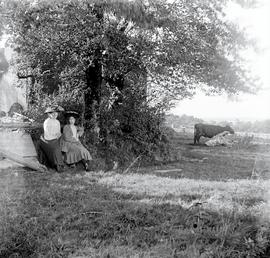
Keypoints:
(93, 98)
(93, 90)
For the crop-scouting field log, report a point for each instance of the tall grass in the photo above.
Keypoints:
(74, 216)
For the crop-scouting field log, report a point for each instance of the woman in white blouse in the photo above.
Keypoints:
(50, 142)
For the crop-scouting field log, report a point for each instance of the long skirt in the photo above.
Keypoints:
(53, 152)
(75, 152)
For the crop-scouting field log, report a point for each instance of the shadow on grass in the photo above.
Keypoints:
(58, 214)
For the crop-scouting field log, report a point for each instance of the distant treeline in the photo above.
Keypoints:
(176, 121)
(256, 127)
(179, 122)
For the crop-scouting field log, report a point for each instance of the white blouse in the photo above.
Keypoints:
(52, 129)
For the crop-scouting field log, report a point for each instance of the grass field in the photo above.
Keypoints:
(208, 204)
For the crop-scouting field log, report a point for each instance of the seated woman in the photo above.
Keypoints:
(50, 141)
(71, 145)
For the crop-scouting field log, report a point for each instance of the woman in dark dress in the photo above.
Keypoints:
(71, 145)
(50, 141)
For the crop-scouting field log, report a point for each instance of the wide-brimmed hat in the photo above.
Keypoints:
(53, 109)
(72, 113)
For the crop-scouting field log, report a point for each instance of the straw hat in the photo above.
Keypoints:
(53, 109)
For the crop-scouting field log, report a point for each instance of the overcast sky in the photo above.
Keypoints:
(247, 107)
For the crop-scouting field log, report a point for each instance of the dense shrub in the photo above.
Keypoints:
(126, 130)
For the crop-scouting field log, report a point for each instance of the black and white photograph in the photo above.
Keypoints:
(134, 128)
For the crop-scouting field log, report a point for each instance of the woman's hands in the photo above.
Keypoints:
(80, 131)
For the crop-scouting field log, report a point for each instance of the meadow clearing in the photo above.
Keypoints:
(213, 202)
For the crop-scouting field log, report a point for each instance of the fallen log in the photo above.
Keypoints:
(23, 161)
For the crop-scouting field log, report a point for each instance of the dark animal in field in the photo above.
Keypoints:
(209, 131)
(16, 107)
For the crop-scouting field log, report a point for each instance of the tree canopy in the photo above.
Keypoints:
(124, 62)
(176, 46)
